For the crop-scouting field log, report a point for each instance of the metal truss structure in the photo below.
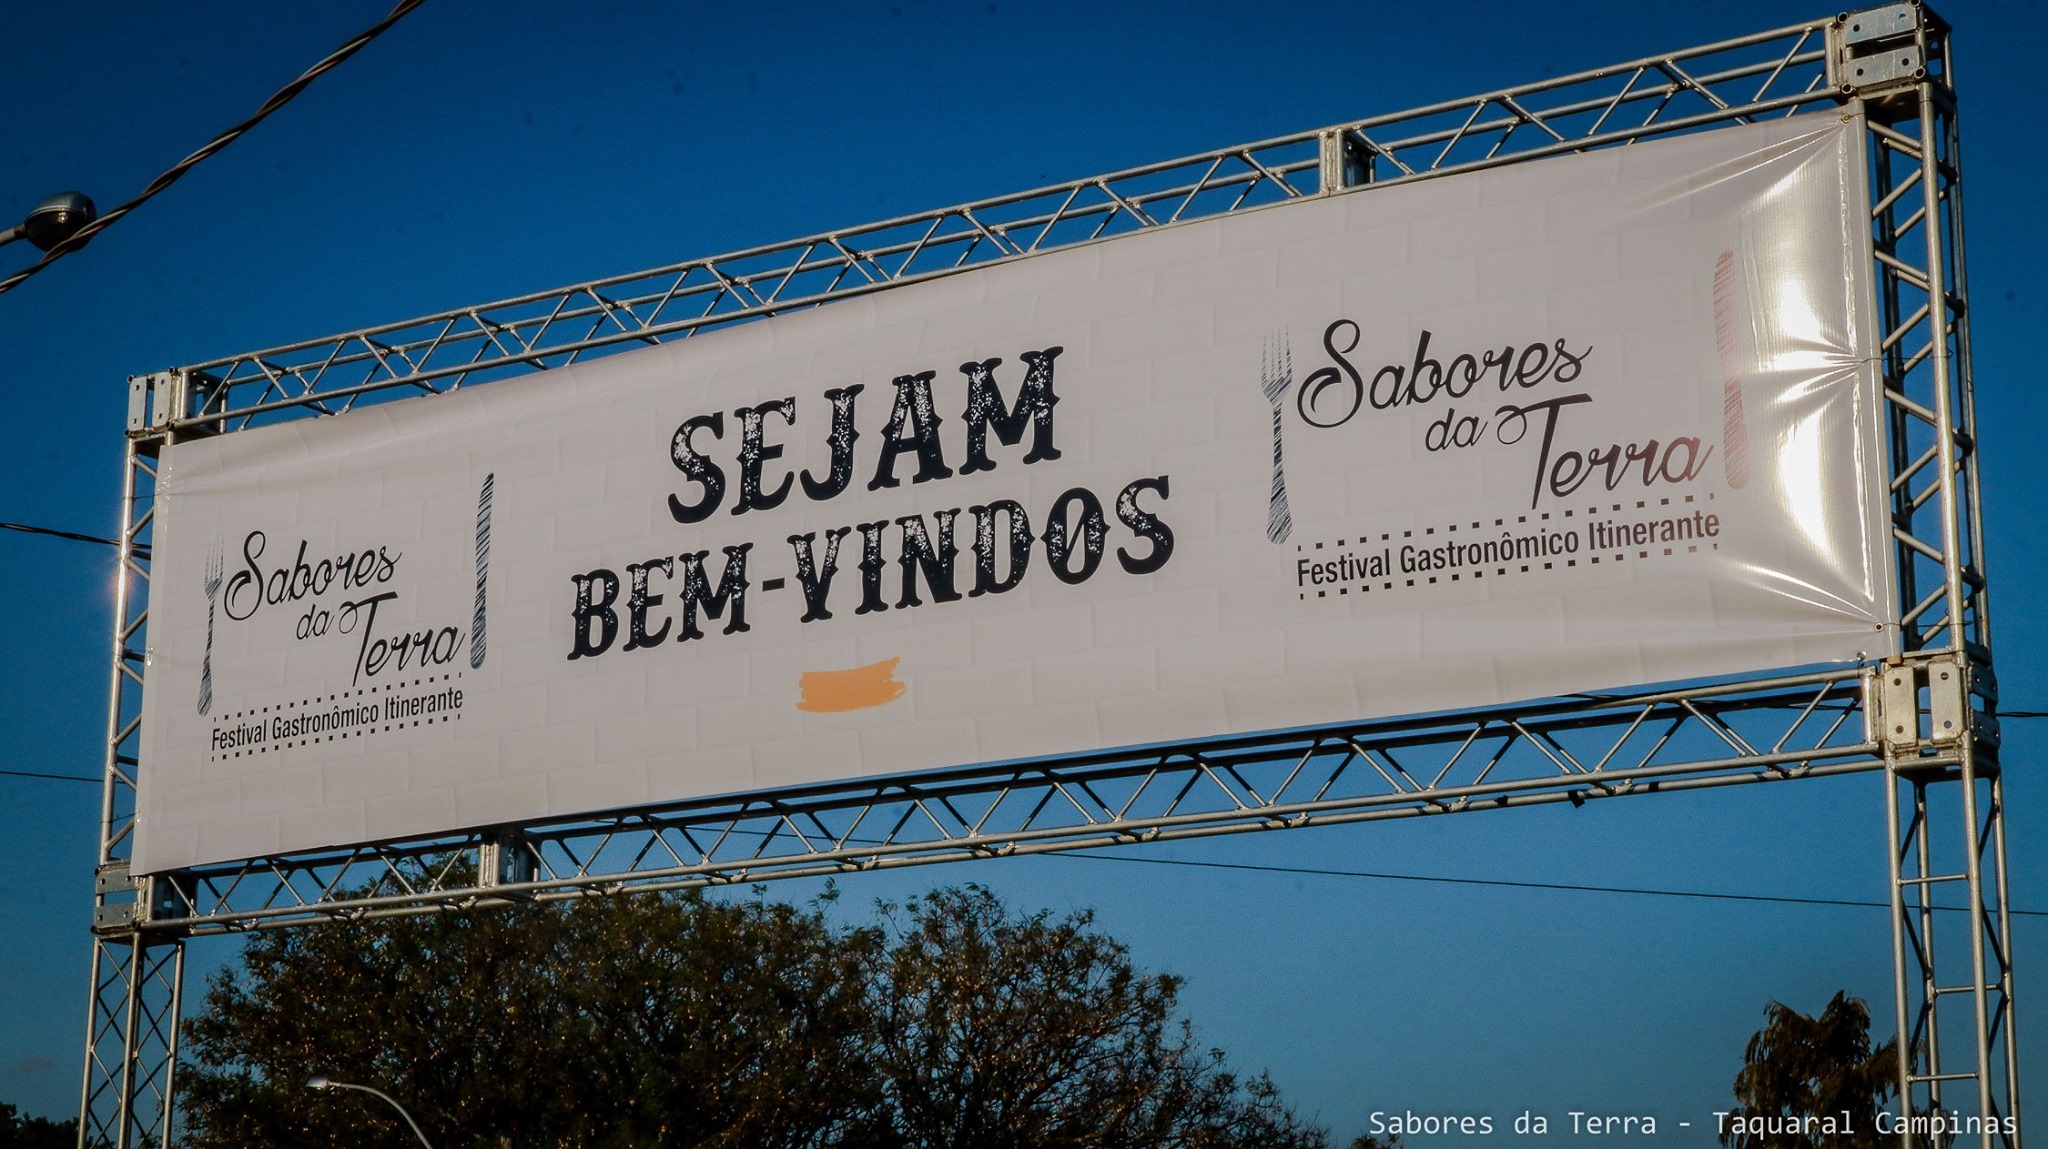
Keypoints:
(1924, 719)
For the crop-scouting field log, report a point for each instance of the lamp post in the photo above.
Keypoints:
(327, 1083)
(53, 221)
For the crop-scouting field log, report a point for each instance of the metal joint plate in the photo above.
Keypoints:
(1879, 23)
(1880, 67)
(1899, 707)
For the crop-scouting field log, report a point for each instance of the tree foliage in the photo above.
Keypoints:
(605, 1022)
(19, 1132)
(1799, 1071)
(999, 1032)
(677, 1020)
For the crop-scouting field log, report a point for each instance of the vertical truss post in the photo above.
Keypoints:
(131, 1044)
(1957, 1061)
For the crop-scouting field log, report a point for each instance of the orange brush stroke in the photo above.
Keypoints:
(835, 691)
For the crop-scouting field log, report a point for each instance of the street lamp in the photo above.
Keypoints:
(53, 221)
(326, 1083)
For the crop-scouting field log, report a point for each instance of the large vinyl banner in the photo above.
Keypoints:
(1587, 422)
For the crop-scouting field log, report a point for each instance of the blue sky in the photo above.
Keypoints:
(483, 150)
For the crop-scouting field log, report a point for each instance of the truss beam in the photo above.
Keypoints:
(1496, 759)
(1772, 73)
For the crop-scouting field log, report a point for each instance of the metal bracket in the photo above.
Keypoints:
(1342, 162)
(158, 399)
(1877, 50)
(503, 858)
(140, 390)
(1982, 700)
(165, 393)
(168, 896)
(1948, 707)
(1898, 708)
(200, 391)
(148, 897)
(112, 880)
(1960, 699)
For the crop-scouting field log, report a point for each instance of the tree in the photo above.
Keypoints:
(998, 1032)
(1800, 1073)
(659, 1020)
(673, 1019)
(18, 1132)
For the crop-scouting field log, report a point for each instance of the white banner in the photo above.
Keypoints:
(1581, 423)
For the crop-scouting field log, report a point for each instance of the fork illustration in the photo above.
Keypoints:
(214, 570)
(1276, 375)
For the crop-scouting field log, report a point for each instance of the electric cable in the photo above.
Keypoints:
(282, 97)
(1572, 887)
(58, 777)
(73, 535)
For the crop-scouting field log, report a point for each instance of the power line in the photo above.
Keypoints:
(1571, 887)
(73, 535)
(58, 777)
(282, 97)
